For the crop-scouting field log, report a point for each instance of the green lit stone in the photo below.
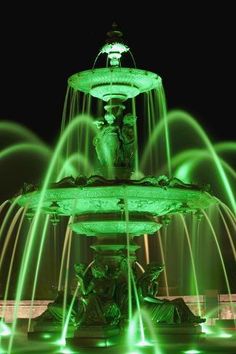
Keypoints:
(112, 224)
(156, 201)
(114, 48)
(107, 83)
(120, 91)
(100, 227)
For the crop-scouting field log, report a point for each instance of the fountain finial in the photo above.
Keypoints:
(114, 46)
(114, 35)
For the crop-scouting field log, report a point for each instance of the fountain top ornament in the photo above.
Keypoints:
(114, 81)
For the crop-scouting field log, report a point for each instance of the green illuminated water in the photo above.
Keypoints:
(32, 244)
(70, 163)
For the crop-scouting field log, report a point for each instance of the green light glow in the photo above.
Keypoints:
(101, 344)
(226, 146)
(9, 233)
(130, 307)
(206, 329)
(2, 206)
(139, 313)
(183, 172)
(4, 330)
(105, 199)
(182, 116)
(9, 275)
(108, 91)
(8, 216)
(97, 227)
(193, 158)
(32, 233)
(144, 343)
(152, 335)
(225, 335)
(68, 168)
(67, 351)
(199, 154)
(163, 117)
(23, 148)
(221, 258)
(66, 318)
(163, 259)
(11, 129)
(114, 47)
(192, 262)
(65, 245)
(38, 262)
(61, 342)
(228, 234)
(107, 83)
(115, 208)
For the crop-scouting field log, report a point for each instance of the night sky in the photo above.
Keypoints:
(190, 47)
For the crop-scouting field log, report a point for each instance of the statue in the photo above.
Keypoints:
(114, 142)
(162, 311)
(55, 310)
(108, 141)
(128, 140)
(101, 309)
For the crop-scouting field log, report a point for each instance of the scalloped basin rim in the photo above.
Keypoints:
(107, 82)
(110, 199)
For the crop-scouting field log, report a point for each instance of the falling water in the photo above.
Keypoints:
(157, 152)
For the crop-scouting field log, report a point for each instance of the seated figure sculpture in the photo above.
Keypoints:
(96, 299)
(59, 309)
(162, 311)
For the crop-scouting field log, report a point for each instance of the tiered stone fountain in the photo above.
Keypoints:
(114, 209)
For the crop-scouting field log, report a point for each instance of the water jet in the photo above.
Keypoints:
(114, 204)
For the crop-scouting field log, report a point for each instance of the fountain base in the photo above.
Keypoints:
(95, 336)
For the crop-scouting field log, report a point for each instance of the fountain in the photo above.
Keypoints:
(114, 206)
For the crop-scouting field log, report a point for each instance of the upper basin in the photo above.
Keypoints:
(108, 83)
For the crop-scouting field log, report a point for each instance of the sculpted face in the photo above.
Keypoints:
(79, 268)
(110, 118)
(99, 270)
(154, 270)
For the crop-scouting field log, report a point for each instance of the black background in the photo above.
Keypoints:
(191, 46)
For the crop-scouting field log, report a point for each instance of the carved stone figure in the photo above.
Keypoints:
(101, 308)
(162, 311)
(114, 142)
(108, 144)
(55, 311)
(128, 140)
